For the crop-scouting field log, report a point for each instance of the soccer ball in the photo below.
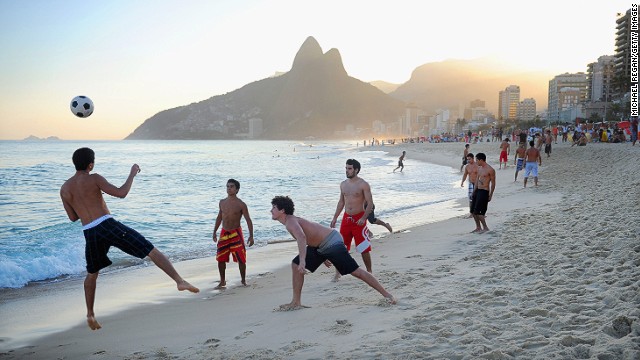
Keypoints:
(81, 106)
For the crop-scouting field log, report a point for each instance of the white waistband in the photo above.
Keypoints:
(96, 222)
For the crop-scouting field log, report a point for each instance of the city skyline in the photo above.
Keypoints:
(136, 59)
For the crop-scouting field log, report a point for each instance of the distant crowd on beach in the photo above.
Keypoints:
(620, 132)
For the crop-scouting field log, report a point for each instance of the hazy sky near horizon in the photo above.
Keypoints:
(136, 58)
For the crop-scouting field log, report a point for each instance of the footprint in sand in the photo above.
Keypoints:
(244, 335)
(341, 327)
(212, 343)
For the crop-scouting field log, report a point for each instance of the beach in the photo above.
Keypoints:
(557, 277)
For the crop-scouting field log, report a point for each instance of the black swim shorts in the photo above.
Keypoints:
(112, 233)
(480, 202)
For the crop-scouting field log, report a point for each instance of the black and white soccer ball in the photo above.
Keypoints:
(81, 106)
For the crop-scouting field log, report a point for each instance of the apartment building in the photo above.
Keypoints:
(508, 101)
(565, 91)
(527, 109)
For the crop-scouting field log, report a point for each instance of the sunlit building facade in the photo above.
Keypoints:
(508, 101)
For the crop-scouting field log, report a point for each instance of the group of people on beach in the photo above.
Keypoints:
(482, 176)
(317, 244)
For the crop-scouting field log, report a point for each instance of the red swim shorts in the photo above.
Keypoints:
(503, 156)
(231, 242)
(349, 229)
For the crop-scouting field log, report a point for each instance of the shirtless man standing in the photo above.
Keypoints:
(232, 209)
(354, 193)
(471, 171)
(464, 156)
(504, 154)
(548, 138)
(317, 244)
(519, 160)
(482, 192)
(82, 199)
(532, 158)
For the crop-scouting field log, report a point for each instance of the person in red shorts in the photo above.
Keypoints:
(231, 243)
(354, 194)
(504, 154)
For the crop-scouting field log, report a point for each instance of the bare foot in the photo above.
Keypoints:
(291, 307)
(476, 231)
(93, 323)
(244, 283)
(221, 285)
(391, 300)
(184, 285)
(388, 226)
(483, 231)
(336, 277)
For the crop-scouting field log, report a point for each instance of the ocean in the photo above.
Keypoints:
(174, 198)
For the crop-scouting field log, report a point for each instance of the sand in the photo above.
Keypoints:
(557, 277)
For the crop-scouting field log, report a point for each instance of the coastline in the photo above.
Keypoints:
(545, 282)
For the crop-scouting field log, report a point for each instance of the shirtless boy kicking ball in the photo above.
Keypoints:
(82, 199)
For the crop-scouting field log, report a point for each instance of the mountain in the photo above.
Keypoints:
(386, 87)
(33, 137)
(453, 82)
(315, 98)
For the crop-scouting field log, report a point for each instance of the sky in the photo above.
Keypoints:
(137, 58)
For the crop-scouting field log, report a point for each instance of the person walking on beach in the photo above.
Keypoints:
(547, 143)
(483, 192)
(464, 156)
(232, 209)
(400, 162)
(519, 160)
(504, 153)
(82, 199)
(355, 192)
(470, 171)
(532, 158)
(317, 244)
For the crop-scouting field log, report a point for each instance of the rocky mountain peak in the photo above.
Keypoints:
(309, 52)
(310, 56)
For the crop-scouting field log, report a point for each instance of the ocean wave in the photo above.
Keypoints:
(16, 273)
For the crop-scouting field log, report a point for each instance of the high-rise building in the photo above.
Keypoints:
(477, 103)
(600, 87)
(622, 58)
(561, 98)
(600, 79)
(508, 101)
(527, 109)
(255, 128)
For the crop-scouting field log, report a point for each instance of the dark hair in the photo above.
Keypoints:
(467, 145)
(82, 158)
(470, 155)
(481, 156)
(284, 203)
(235, 182)
(355, 163)
(531, 143)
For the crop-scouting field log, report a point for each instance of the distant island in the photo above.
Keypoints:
(32, 138)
